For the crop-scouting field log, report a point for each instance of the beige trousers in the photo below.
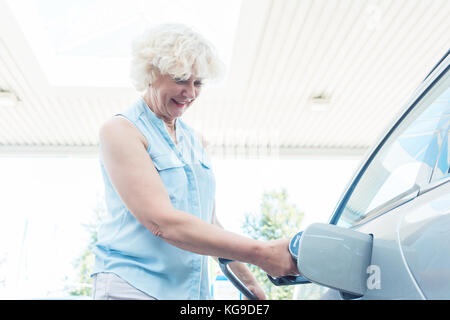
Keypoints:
(109, 286)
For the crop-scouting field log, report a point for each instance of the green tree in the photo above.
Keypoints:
(85, 262)
(278, 219)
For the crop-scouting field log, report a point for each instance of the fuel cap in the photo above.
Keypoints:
(294, 245)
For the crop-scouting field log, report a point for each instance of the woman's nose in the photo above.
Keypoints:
(190, 91)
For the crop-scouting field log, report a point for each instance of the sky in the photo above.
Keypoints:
(70, 37)
(49, 199)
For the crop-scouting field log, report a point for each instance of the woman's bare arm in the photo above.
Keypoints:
(137, 182)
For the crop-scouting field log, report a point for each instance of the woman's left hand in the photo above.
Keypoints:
(257, 290)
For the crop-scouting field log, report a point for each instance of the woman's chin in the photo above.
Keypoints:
(178, 112)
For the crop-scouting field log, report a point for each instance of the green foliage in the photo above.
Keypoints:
(278, 219)
(85, 262)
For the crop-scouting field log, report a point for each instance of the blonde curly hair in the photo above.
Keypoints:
(173, 49)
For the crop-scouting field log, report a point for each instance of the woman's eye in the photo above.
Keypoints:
(197, 83)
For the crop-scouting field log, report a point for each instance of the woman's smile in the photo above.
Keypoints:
(181, 103)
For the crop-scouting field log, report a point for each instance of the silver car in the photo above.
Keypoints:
(389, 236)
(401, 197)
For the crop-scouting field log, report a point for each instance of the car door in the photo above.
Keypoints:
(400, 195)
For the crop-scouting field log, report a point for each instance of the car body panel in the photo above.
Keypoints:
(425, 241)
(396, 280)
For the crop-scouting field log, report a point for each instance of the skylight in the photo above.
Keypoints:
(87, 42)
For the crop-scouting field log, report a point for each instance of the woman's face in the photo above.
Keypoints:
(171, 97)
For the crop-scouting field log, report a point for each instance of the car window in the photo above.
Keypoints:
(442, 168)
(408, 156)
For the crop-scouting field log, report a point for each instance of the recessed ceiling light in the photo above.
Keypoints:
(320, 102)
(8, 99)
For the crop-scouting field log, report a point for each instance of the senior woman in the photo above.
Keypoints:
(160, 188)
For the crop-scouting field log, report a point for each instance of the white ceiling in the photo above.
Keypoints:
(366, 57)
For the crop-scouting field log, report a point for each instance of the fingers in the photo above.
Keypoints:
(280, 262)
(257, 291)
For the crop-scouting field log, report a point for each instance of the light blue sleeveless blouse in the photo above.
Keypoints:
(126, 248)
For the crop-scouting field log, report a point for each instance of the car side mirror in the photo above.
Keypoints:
(335, 257)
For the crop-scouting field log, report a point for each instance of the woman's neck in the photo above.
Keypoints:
(170, 126)
(169, 122)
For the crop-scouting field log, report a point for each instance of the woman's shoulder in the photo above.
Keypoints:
(116, 122)
(195, 133)
(134, 112)
(202, 139)
(119, 127)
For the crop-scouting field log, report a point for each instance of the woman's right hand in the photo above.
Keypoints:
(276, 259)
